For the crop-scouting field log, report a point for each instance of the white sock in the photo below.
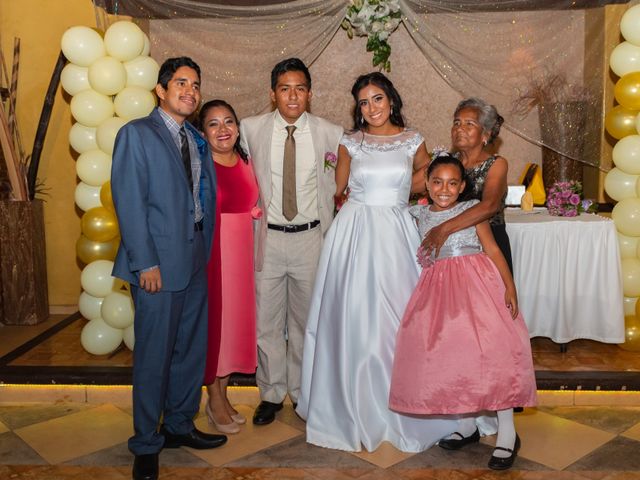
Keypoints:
(466, 427)
(506, 433)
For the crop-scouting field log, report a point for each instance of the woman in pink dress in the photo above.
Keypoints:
(232, 306)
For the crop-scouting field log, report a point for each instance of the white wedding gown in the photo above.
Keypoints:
(366, 274)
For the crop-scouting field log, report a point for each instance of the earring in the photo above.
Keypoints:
(391, 111)
(484, 143)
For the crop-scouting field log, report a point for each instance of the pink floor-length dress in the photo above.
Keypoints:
(232, 305)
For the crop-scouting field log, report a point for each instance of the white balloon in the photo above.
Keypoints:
(87, 197)
(628, 245)
(89, 306)
(626, 154)
(619, 184)
(630, 277)
(94, 167)
(107, 131)
(82, 45)
(147, 46)
(629, 305)
(91, 108)
(128, 336)
(142, 72)
(626, 216)
(107, 75)
(630, 25)
(74, 79)
(625, 58)
(98, 338)
(134, 102)
(82, 138)
(117, 310)
(124, 40)
(96, 279)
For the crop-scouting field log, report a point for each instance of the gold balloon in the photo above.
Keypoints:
(631, 334)
(627, 91)
(89, 251)
(620, 122)
(99, 224)
(105, 197)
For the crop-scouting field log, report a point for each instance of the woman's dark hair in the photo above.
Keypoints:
(289, 65)
(382, 82)
(488, 116)
(171, 65)
(221, 103)
(447, 159)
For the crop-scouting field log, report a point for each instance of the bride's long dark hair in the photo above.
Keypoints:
(381, 81)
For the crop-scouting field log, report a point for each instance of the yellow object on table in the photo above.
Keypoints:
(526, 203)
(531, 178)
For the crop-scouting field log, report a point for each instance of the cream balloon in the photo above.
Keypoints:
(91, 108)
(134, 102)
(147, 46)
(620, 185)
(626, 216)
(107, 75)
(82, 138)
(117, 310)
(128, 335)
(82, 45)
(96, 279)
(87, 196)
(625, 58)
(142, 72)
(628, 246)
(631, 277)
(638, 123)
(89, 306)
(630, 25)
(94, 167)
(106, 133)
(629, 305)
(626, 154)
(74, 79)
(98, 338)
(124, 40)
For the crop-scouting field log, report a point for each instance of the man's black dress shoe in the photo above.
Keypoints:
(457, 444)
(194, 439)
(266, 412)
(499, 463)
(145, 467)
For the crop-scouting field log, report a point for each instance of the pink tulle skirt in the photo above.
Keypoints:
(458, 349)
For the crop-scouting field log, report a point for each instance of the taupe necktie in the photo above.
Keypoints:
(289, 202)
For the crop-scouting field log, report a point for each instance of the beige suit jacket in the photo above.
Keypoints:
(256, 135)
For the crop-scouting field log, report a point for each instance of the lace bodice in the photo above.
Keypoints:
(381, 167)
(476, 176)
(465, 240)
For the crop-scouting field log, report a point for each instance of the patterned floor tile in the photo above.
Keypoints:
(633, 432)
(614, 420)
(251, 439)
(554, 441)
(3, 428)
(18, 416)
(72, 436)
(385, 456)
(14, 451)
(611, 456)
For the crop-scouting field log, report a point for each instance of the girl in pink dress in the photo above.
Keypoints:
(232, 305)
(462, 346)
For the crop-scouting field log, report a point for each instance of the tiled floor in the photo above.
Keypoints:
(82, 441)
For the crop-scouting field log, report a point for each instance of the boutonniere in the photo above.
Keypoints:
(330, 161)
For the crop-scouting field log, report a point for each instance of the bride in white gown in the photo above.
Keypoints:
(366, 274)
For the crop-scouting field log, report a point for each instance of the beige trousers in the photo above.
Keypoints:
(283, 294)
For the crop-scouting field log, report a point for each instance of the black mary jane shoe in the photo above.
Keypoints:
(500, 463)
(457, 444)
(266, 412)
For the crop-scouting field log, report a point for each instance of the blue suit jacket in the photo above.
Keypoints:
(153, 202)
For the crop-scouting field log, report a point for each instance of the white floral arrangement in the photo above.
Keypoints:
(376, 20)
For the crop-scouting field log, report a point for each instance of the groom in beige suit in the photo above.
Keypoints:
(288, 147)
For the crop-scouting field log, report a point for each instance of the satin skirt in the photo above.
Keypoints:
(366, 274)
(458, 348)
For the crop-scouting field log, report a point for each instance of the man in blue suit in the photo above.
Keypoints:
(163, 186)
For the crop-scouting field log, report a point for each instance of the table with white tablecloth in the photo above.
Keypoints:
(568, 275)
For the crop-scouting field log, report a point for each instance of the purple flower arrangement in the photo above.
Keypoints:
(564, 199)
